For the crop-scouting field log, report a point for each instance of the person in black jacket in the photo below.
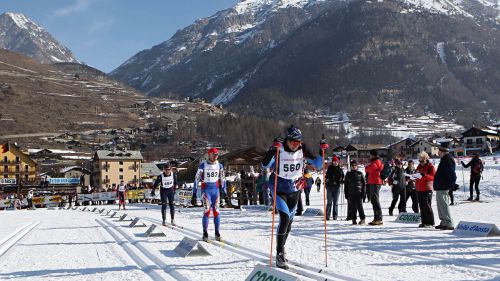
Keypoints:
(355, 191)
(476, 168)
(334, 177)
(410, 186)
(398, 187)
(444, 180)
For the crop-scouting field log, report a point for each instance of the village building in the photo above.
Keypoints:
(15, 164)
(425, 145)
(110, 167)
(480, 140)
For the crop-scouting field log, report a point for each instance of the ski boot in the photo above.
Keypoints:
(172, 222)
(217, 237)
(281, 261)
(469, 199)
(477, 198)
(164, 223)
(362, 222)
(205, 236)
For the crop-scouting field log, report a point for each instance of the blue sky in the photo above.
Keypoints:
(105, 33)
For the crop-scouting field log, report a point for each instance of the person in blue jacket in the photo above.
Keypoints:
(211, 176)
(293, 157)
(167, 181)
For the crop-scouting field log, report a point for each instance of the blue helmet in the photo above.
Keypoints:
(293, 133)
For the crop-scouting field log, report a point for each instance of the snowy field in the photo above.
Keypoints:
(63, 244)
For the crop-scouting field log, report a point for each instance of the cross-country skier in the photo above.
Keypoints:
(293, 154)
(476, 169)
(211, 176)
(167, 181)
(120, 192)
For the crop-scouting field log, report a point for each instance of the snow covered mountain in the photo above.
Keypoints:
(20, 34)
(261, 53)
(215, 56)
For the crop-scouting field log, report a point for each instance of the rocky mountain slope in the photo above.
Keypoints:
(20, 34)
(273, 57)
(38, 98)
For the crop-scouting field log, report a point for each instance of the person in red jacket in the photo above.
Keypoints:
(374, 183)
(424, 187)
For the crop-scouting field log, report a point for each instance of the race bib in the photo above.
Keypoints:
(291, 164)
(121, 188)
(211, 172)
(167, 181)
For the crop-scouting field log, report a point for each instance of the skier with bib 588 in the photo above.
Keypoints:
(211, 176)
(293, 154)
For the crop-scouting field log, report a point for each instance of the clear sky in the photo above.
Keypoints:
(105, 33)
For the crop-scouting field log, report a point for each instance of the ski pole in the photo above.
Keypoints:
(324, 202)
(274, 205)
(463, 180)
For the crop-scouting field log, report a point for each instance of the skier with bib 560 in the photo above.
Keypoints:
(168, 184)
(211, 176)
(293, 154)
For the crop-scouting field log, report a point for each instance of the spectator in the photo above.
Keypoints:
(410, 186)
(424, 187)
(398, 187)
(355, 190)
(444, 180)
(334, 177)
(374, 183)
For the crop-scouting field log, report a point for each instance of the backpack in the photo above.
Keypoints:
(386, 172)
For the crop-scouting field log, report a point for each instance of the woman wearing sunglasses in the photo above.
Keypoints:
(293, 154)
(424, 187)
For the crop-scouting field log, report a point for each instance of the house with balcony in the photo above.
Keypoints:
(481, 140)
(402, 149)
(427, 146)
(15, 164)
(110, 167)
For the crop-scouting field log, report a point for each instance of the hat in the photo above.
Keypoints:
(353, 162)
(213, 150)
(166, 166)
(335, 158)
(293, 133)
(373, 152)
(443, 149)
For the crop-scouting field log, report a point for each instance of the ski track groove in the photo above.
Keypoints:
(133, 253)
(14, 238)
(300, 269)
(144, 251)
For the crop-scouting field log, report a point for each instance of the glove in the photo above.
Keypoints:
(422, 174)
(346, 196)
(323, 144)
(277, 142)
